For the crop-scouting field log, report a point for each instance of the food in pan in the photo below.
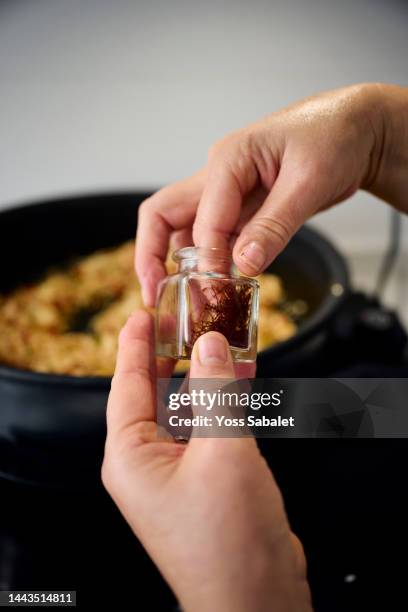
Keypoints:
(68, 322)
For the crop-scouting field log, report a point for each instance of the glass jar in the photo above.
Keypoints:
(206, 295)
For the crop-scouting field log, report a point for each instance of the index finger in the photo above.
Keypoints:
(231, 176)
(170, 209)
(132, 398)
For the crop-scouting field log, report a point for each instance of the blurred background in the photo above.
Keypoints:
(101, 95)
(121, 95)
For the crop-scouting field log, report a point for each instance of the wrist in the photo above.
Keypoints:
(279, 597)
(387, 176)
(265, 582)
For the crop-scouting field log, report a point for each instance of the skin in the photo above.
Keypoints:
(209, 513)
(264, 181)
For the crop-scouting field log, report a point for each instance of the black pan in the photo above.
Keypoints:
(52, 427)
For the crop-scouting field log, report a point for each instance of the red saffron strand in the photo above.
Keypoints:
(227, 311)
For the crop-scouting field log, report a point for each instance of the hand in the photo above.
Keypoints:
(209, 514)
(263, 182)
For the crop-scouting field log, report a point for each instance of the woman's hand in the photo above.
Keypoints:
(209, 514)
(263, 182)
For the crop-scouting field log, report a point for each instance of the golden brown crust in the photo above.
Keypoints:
(35, 320)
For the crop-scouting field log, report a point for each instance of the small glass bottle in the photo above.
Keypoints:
(205, 295)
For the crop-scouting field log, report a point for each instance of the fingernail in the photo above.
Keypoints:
(212, 349)
(254, 255)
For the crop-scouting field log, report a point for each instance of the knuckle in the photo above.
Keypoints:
(227, 146)
(224, 147)
(153, 203)
(135, 439)
(233, 155)
(216, 150)
(278, 230)
(247, 143)
(145, 207)
(143, 371)
(136, 436)
(236, 154)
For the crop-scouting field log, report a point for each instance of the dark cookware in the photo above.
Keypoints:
(52, 427)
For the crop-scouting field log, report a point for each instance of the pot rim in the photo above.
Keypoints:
(334, 261)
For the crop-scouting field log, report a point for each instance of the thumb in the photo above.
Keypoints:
(289, 204)
(211, 357)
(211, 360)
(211, 363)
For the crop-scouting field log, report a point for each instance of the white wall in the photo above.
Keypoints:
(102, 95)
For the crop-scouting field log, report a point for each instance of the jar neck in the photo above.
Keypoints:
(204, 261)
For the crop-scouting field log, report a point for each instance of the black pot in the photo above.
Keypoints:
(52, 428)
